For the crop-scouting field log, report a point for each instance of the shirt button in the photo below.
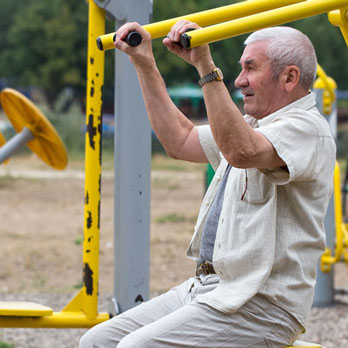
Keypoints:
(206, 203)
(218, 178)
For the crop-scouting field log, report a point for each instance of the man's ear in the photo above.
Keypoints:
(290, 77)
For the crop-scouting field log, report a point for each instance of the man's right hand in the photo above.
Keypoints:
(199, 57)
(141, 56)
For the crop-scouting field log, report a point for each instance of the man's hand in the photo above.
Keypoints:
(199, 57)
(141, 56)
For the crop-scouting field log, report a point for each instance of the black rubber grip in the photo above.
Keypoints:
(185, 40)
(99, 43)
(133, 38)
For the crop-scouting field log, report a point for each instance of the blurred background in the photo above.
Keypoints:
(43, 54)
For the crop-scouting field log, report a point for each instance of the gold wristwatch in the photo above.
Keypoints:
(215, 75)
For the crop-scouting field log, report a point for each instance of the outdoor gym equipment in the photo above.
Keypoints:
(33, 129)
(233, 20)
(341, 246)
(2, 142)
(82, 310)
(203, 18)
(277, 16)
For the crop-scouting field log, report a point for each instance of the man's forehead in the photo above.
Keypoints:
(254, 53)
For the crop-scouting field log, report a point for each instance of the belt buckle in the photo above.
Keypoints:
(205, 268)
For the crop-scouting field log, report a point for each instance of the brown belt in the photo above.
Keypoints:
(205, 268)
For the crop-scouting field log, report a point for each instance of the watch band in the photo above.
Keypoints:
(215, 75)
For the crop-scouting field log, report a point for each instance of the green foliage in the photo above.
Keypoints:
(78, 240)
(175, 71)
(171, 218)
(70, 127)
(44, 44)
(6, 345)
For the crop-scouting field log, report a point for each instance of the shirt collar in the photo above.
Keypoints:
(304, 103)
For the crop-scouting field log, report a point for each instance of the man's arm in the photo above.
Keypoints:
(240, 144)
(175, 131)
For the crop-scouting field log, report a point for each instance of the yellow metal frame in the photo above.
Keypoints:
(339, 18)
(205, 18)
(277, 16)
(82, 310)
(303, 344)
(327, 258)
(328, 85)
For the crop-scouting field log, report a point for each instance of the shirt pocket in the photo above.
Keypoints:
(254, 187)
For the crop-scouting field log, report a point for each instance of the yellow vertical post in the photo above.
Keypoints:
(95, 80)
(328, 85)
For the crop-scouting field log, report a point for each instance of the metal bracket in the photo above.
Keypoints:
(339, 18)
(124, 10)
(113, 307)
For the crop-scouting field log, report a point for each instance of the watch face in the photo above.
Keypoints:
(219, 75)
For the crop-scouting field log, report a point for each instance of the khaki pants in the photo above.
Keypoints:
(175, 319)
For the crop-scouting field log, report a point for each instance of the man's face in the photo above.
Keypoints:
(262, 93)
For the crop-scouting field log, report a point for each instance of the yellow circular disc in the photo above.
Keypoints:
(23, 113)
(2, 142)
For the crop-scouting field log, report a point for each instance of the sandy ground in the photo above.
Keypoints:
(41, 230)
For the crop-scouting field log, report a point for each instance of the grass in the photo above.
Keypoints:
(6, 345)
(78, 240)
(174, 218)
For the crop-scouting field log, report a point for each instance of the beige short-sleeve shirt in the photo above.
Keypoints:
(271, 228)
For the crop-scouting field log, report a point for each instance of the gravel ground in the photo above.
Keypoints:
(327, 326)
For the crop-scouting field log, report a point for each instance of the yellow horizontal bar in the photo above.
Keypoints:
(204, 18)
(303, 344)
(56, 320)
(251, 23)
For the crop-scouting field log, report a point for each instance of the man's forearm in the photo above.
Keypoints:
(171, 126)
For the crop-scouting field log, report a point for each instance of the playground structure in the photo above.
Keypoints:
(82, 310)
(33, 129)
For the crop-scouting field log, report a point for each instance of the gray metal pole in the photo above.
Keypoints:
(324, 289)
(132, 170)
(15, 143)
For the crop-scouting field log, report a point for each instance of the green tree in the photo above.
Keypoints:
(332, 51)
(175, 71)
(46, 46)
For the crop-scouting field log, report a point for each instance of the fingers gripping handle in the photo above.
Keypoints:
(106, 42)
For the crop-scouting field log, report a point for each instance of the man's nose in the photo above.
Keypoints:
(240, 81)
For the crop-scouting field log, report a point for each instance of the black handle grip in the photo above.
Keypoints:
(185, 39)
(133, 38)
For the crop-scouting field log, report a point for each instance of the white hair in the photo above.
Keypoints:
(288, 46)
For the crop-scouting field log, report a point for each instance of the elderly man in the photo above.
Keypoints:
(260, 230)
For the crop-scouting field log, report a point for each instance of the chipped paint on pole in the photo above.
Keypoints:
(95, 80)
